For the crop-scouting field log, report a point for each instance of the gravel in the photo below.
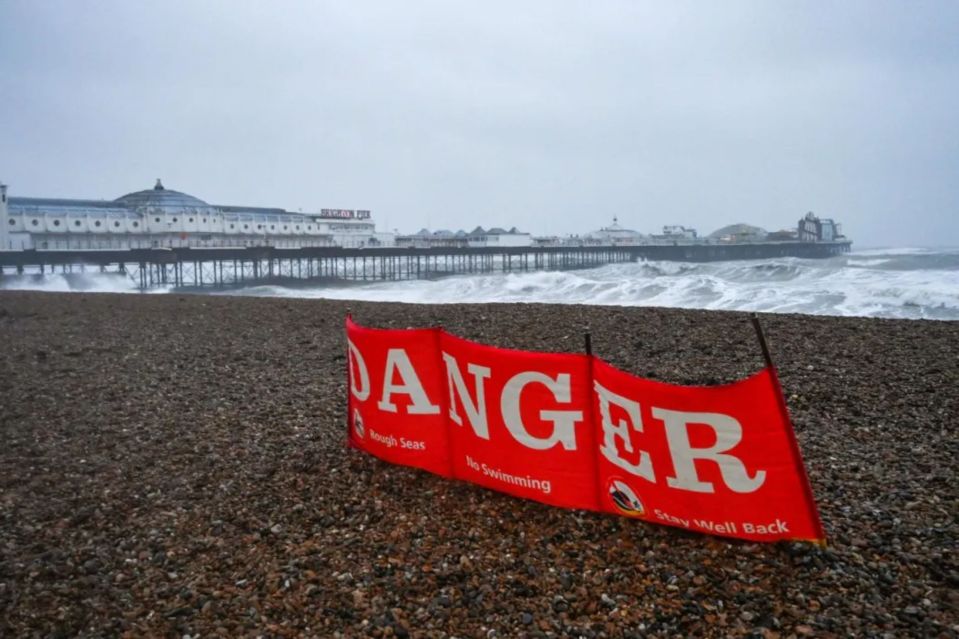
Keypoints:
(175, 465)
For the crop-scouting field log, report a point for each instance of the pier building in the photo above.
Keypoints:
(477, 238)
(164, 218)
(614, 235)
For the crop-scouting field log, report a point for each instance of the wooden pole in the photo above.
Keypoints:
(791, 435)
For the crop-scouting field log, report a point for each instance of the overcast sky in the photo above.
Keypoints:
(551, 116)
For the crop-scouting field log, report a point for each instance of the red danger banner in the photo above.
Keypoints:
(572, 431)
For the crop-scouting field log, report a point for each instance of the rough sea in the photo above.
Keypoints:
(911, 283)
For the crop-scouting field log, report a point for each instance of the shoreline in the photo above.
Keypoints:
(184, 455)
(888, 283)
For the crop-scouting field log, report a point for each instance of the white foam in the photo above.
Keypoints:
(90, 282)
(818, 287)
(902, 250)
(898, 283)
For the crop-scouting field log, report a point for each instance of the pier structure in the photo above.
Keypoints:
(204, 268)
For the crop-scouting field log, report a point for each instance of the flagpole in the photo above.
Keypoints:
(793, 443)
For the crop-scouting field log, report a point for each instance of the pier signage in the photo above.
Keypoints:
(572, 431)
(345, 214)
(342, 214)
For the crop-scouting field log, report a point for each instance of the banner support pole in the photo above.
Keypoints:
(762, 341)
(793, 443)
(349, 384)
(447, 400)
(594, 424)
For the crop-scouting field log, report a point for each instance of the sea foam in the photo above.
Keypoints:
(896, 283)
(907, 283)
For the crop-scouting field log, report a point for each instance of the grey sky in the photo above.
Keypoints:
(551, 116)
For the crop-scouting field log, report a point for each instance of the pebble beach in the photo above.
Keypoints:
(175, 465)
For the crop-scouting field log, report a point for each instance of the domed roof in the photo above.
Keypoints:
(738, 229)
(160, 197)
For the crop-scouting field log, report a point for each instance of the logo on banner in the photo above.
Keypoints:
(358, 427)
(624, 498)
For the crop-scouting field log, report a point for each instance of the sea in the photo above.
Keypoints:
(905, 283)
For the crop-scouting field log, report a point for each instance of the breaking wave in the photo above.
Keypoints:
(906, 283)
(89, 282)
(893, 283)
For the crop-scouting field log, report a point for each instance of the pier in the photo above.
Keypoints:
(219, 268)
